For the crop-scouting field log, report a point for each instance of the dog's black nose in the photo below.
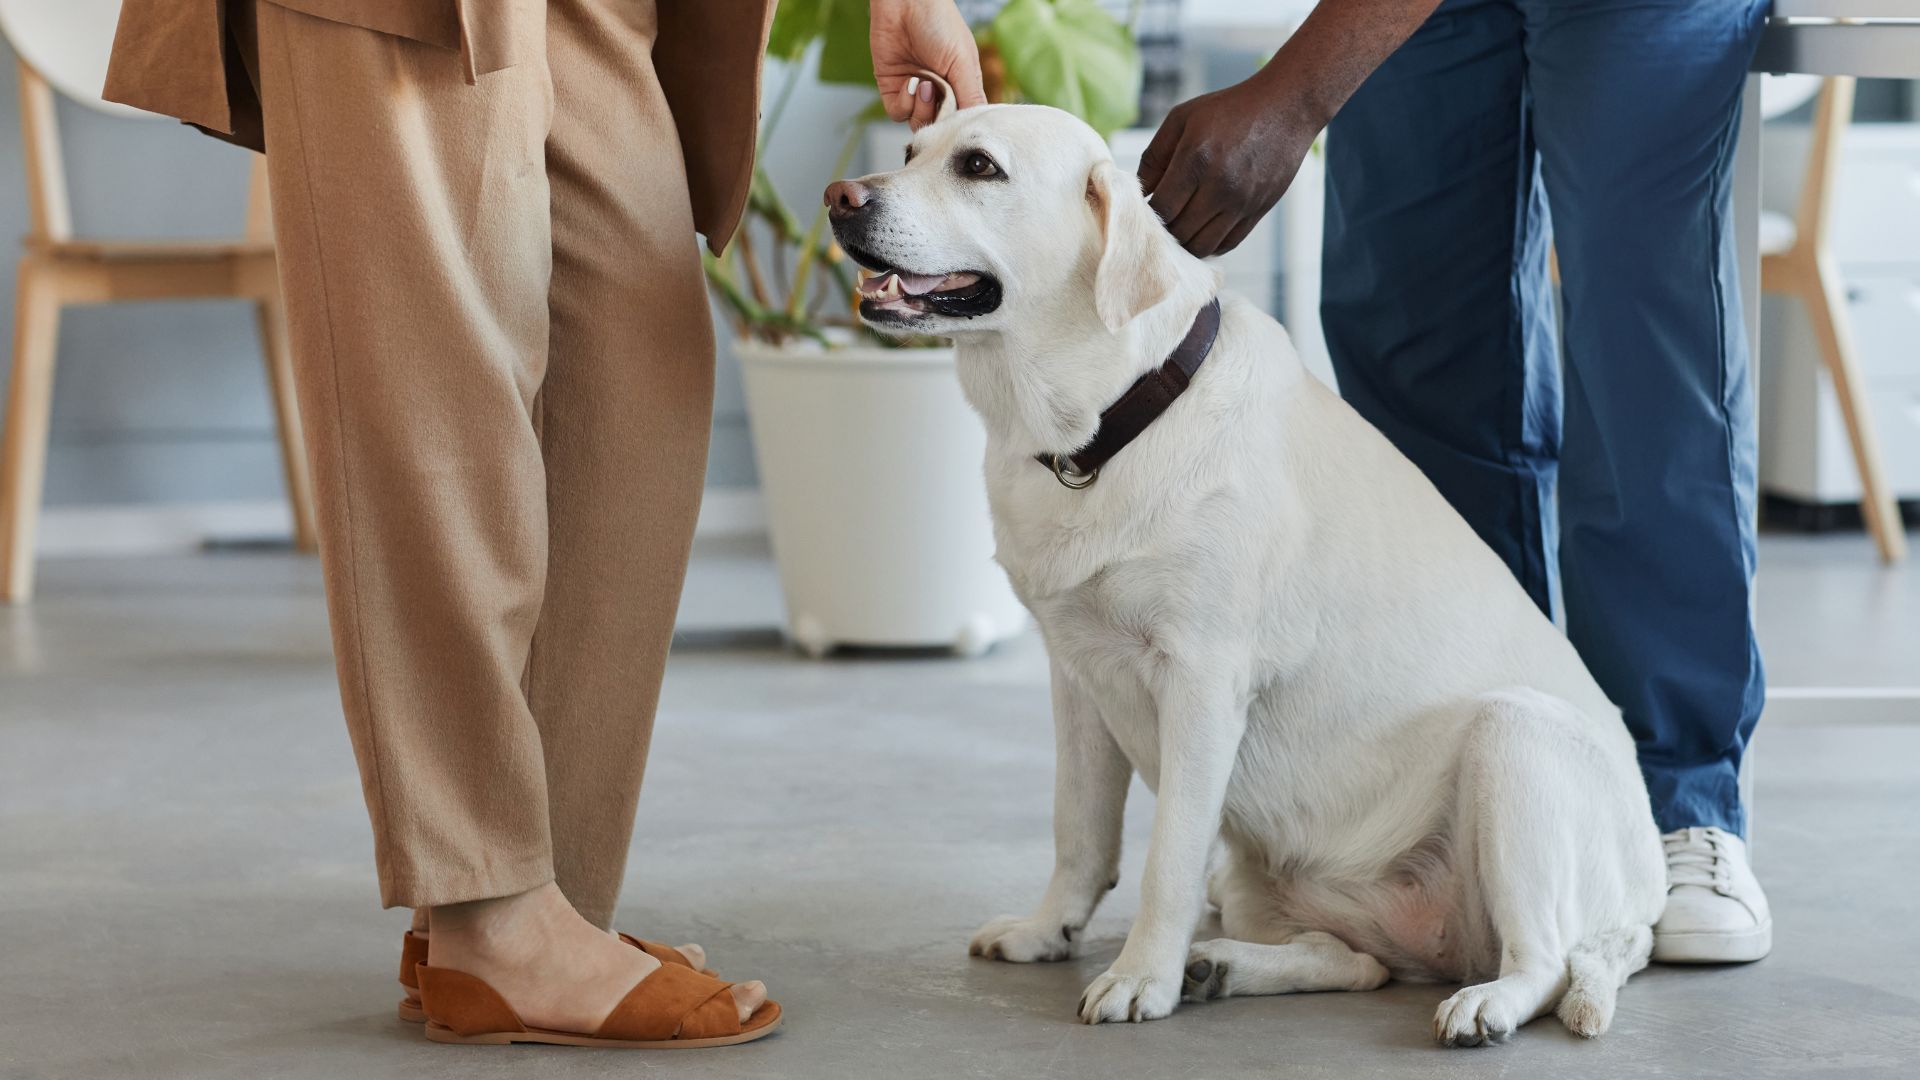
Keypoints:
(847, 198)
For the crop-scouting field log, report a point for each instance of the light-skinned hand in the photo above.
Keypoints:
(911, 36)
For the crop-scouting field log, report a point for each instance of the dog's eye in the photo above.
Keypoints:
(979, 165)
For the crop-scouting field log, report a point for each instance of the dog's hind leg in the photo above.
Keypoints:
(1309, 962)
(1512, 831)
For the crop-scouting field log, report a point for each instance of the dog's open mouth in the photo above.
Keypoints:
(888, 293)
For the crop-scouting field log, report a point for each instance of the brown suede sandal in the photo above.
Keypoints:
(674, 1007)
(413, 953)
(666, 954)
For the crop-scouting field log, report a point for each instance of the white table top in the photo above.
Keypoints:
(1846, 9)
(1249, 25)
(1884, 42)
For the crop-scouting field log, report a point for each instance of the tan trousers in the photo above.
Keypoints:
(505, 368)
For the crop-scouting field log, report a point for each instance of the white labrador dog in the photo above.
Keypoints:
(1266, 612)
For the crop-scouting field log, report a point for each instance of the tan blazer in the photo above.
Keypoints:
(174, 57)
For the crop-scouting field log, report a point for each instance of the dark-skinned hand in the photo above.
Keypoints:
(1220, 161)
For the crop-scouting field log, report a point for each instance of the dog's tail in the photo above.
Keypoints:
(1596, 969)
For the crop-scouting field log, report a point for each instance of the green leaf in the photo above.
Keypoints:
(845, 55)
(1072, 55)
(796, 23)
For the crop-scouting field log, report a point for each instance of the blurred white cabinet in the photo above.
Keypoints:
(1876, 239)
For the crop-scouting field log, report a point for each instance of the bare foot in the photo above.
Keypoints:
(555, 968)
(695, 955)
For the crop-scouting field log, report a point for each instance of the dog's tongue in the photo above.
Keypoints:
(919, 284)
(901, 283)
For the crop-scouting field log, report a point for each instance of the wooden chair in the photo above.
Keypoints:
(65, 45)
(1795, 260)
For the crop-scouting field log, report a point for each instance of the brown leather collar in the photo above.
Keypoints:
(1124, 420)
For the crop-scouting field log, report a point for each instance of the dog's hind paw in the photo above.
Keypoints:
(1206, 975)
(1112, 998)
(1020, 939)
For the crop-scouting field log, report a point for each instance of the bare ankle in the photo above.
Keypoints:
(511, 923)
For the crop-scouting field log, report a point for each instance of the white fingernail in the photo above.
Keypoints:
(913, 84)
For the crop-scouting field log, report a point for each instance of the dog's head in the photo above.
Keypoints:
(1003, 215)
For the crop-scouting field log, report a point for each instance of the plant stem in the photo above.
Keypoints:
(739, 308)
(764, 199)
(810, 247)
(744, 241)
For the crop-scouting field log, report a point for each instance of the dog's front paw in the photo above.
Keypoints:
(1114, 997)
(1021, 939)
(1479, 1016)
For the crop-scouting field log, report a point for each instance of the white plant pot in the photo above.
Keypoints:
(870, 465)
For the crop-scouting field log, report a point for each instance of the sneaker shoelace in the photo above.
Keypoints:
(1697, 856)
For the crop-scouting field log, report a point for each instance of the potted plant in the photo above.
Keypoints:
(869, 457)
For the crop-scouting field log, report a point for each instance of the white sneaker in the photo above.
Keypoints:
(1716, 913)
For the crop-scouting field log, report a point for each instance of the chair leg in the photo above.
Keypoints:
(293, 446)
(23, 451)
(1825, 300)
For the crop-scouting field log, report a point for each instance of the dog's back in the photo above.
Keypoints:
(1260, 513)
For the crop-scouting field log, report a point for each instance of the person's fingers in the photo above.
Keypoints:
(1239, 234)
(1183, 200)
(909, 98)
(1177, 187)
(1188, 222)
(1211, 237)
(1198, 214)
(969, 89)
(1159, 152)
(893, 95)
(926, 103)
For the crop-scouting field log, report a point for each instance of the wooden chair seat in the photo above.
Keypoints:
(150, 251)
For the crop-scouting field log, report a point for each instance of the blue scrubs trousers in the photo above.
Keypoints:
(1620, 481)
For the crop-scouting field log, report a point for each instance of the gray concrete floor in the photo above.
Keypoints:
(186, 886)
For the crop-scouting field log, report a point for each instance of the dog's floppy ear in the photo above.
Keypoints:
(1135, 271)
(948, 103)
